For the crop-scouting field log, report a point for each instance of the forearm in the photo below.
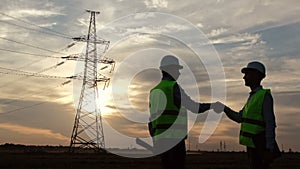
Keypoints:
(233, 115)
(196, 107)
(182, 99)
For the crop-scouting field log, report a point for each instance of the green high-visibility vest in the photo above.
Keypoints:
(252, 118)
(168, 121)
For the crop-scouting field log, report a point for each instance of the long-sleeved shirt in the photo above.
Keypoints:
(182, 99)
(268, 114)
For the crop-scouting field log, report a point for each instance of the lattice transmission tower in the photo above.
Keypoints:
(88, 129)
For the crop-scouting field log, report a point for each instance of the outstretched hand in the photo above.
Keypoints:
(218, 107)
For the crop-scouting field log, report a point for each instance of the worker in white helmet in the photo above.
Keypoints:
(168, 115)
(257, 119)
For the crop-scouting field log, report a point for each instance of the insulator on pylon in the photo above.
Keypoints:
(104, 67)
(64, 83)
(70, 45)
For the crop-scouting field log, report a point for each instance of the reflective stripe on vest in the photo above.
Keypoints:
(252, 118)
(169, 121)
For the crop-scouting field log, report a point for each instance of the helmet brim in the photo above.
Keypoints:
(171, 67)
(247, 69)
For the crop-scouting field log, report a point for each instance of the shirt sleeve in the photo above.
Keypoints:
(233, 115)
(269, 117)
(182, 99)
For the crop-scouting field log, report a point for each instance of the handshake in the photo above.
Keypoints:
(218, 107)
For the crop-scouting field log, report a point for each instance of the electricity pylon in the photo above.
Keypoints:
(88, 129)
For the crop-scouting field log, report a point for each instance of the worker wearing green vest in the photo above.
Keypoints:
(257, 119)
(168, 115)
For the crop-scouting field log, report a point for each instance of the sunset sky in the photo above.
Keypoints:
(212, 39)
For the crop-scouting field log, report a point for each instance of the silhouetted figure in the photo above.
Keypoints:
(168, 115)
(257, 119)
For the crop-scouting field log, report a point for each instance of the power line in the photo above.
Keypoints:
(78, 77)
(37, 74)
(24, 73)
(22, 108)
(100, 78)
(35, 61)
(33, 105)
(32, 46)
(43, 89)
(31, 74)
(21, 20)
(26, 53)
(31, 29)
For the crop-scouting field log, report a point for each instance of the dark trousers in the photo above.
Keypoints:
(256, 159)
(175, 157)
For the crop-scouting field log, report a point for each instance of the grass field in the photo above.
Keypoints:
(24, 157)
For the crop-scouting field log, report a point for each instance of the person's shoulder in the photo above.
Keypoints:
(177, 86)
(268, 95)
(267, 90)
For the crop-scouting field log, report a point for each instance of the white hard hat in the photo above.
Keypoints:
(256, 66)
(169, 61)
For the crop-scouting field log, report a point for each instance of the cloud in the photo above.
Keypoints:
(49, 25)
(33, 131)
(217, 32)
(33, 13)
(57, 117)
(154, 29)
(156, 3)
(240, 39)
(282, 40)
(200, 25)
(31, 9)
(123, 124)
